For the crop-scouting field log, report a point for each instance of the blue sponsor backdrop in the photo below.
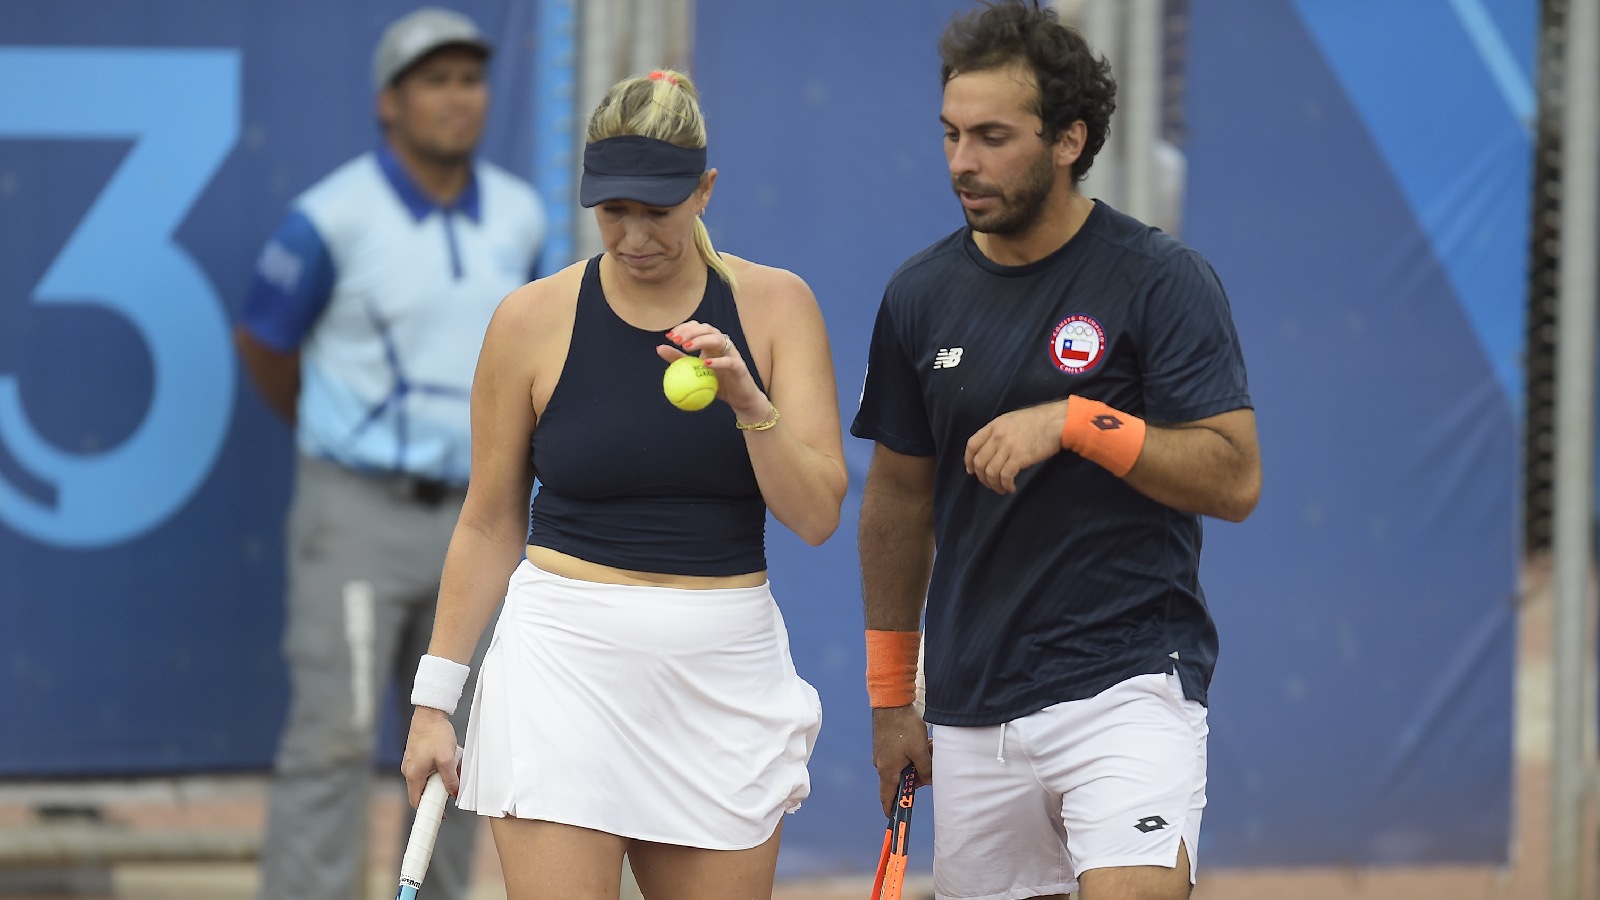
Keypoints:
(146, 152)
(1359, 174)
(1362, 703)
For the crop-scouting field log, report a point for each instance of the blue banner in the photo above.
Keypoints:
(1357, 174)
(147, 151)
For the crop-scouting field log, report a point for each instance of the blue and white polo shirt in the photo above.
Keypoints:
(387, 296)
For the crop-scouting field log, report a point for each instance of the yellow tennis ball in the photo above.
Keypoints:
(688, 384)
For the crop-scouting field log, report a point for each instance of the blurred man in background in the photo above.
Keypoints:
(362, 329)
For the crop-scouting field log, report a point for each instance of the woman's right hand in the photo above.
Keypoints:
(735, 386)
(431, 747)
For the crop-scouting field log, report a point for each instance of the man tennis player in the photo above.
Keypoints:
(1058, 395)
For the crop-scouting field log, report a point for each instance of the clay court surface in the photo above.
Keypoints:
(219, 807)
(237, 807)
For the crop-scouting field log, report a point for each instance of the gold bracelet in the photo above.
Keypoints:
(762, 425)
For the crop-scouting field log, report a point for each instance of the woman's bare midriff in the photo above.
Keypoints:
(557, 563)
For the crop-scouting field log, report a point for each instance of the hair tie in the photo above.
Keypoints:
(659, 75)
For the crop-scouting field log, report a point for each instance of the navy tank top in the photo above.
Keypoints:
(628, 480)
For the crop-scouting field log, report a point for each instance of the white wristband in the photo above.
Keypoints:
(439, 683)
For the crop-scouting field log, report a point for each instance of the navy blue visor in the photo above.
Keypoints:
(633, 167)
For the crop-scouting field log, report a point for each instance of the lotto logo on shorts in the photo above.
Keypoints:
(1150, 823)
(1077, 344)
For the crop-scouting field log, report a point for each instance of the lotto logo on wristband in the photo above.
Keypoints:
(1077, 344)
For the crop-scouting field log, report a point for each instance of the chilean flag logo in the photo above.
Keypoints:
(1077, 344)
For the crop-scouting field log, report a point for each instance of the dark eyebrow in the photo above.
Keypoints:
(981, 126)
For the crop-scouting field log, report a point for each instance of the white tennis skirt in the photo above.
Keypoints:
(654, 713)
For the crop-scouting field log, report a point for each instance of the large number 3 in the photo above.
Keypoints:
(181, 107)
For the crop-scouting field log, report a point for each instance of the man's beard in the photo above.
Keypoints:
(1019, 208)
(447, 155)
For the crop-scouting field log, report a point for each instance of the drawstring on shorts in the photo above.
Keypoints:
(1000, 751)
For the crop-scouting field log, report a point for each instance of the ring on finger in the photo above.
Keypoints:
(727, 344)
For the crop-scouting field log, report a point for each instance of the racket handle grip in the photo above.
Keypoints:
(419, 847)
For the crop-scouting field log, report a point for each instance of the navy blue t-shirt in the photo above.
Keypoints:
(1076, 581)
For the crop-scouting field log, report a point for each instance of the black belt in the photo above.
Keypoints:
(427, 491)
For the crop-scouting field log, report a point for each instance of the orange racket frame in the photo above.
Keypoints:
(891, 878)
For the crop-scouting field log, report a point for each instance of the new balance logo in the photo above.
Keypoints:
(1150, 823)
(947, 358)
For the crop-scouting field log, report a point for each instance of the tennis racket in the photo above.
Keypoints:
(891, 878)
(419, 847)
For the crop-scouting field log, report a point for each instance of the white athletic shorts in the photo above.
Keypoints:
(654, 713)
(1022, 808)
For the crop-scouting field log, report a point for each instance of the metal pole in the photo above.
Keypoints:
(1141, 84)
(1102, 24)
(1574, 714)
(556, 146)
(620, 38)
(597, 66)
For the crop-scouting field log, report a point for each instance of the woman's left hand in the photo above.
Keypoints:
(734, 384)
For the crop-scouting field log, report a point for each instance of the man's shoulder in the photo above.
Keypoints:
(343, 199)
(511, 206)
(931, 263)
(352, 180)
(500, 177)
(1122, 233)
(332, 209)
(493, 179)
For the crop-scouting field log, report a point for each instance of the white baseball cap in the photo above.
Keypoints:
(415, 35)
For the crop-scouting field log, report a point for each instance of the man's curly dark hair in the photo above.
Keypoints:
(1073, 82)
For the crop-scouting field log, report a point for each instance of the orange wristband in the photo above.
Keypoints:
(892, 668)
(1103, 435)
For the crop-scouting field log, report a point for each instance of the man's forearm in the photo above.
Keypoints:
(896, 547)
(1200, 470)
(276, 375)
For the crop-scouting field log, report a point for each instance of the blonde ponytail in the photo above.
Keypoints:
(702, 242)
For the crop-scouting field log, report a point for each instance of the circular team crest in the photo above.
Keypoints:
(1077, 345)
